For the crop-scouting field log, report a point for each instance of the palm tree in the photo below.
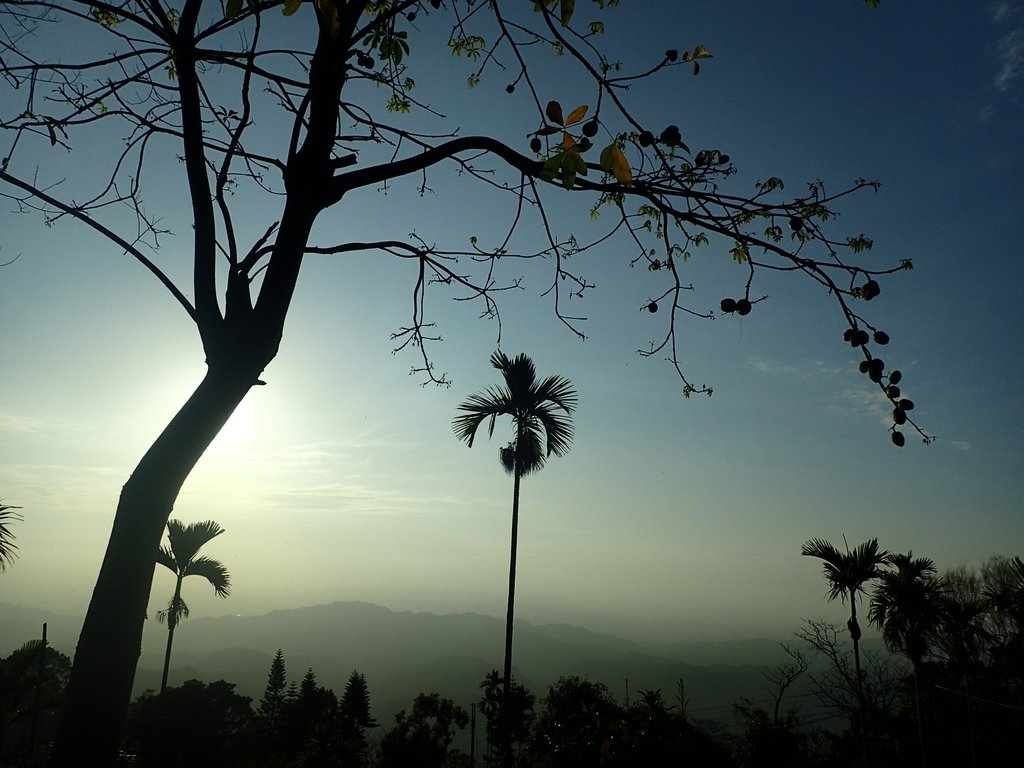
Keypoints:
(906, 607)
(541, 416)
(847, 573)
(8, 549)
(181, 559)
(964, 634)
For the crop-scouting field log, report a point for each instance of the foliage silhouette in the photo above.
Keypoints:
(181, 557)
(520, 717)
(423, 737)
(244, 107)
(305, 724)
(29, 699)
(541, 414)
(906, 607)
(194, 725)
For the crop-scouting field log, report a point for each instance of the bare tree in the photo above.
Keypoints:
(247, 110)
(782, 676)
(836, 687)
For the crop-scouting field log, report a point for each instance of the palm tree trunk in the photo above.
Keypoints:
(172, 622)
(861, 706)
(99, 689)
(915, 665)
(506, 709)
(970, 720)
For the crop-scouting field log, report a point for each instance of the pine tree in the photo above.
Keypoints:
(356, 718)
(274, 694)
(355, 703)
(271, 708)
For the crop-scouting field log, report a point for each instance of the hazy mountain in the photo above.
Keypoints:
(404, 653)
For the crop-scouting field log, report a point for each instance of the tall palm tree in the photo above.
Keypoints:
(964, 634)
(8, 549)
(847, 573)
(906, 606)
(541, 417)
(181, 557)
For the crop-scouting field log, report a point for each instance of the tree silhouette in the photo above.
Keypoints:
(541, 417)
(32, 678)
(8, 549)
(422, 737)
(847, 573)
(248, 111)
(196, 724)
(181, 557)
(271, 708)
(356, 717)
(906, 606)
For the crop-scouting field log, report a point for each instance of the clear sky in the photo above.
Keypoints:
(342, 480)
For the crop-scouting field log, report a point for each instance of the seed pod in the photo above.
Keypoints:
(864, 366)
(652, 307)
(899, 415)
(881, 337)
(743, 307)
(898, 439)
(895, 377)
(671, 135)
(728, 305)
(535, 144)
(907, 405)
(646, 138)
(848, 334)
(892, 391)
(870, 290)
(590, 128)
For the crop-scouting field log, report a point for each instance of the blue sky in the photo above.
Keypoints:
(341, 479)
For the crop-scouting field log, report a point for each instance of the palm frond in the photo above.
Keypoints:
(213, 571)
(8, 549)
(540, 411)
(186, 540)
(165, 557)
(847, 572)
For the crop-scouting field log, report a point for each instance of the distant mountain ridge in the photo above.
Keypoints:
(403, 653)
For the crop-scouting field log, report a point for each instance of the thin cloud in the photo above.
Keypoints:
(1011, 58)
(1009, 47)
(813, 370)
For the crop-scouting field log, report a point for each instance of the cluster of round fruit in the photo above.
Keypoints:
(365, 60)
(858, 337)
(739, 306)
(671, 136)
(874, 367)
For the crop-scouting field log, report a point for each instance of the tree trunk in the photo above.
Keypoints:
(862, 708)
(172, 622)
(100, 686)
(915, 664)
(506, 694)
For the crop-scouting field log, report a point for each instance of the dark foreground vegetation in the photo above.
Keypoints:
(950, 693)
